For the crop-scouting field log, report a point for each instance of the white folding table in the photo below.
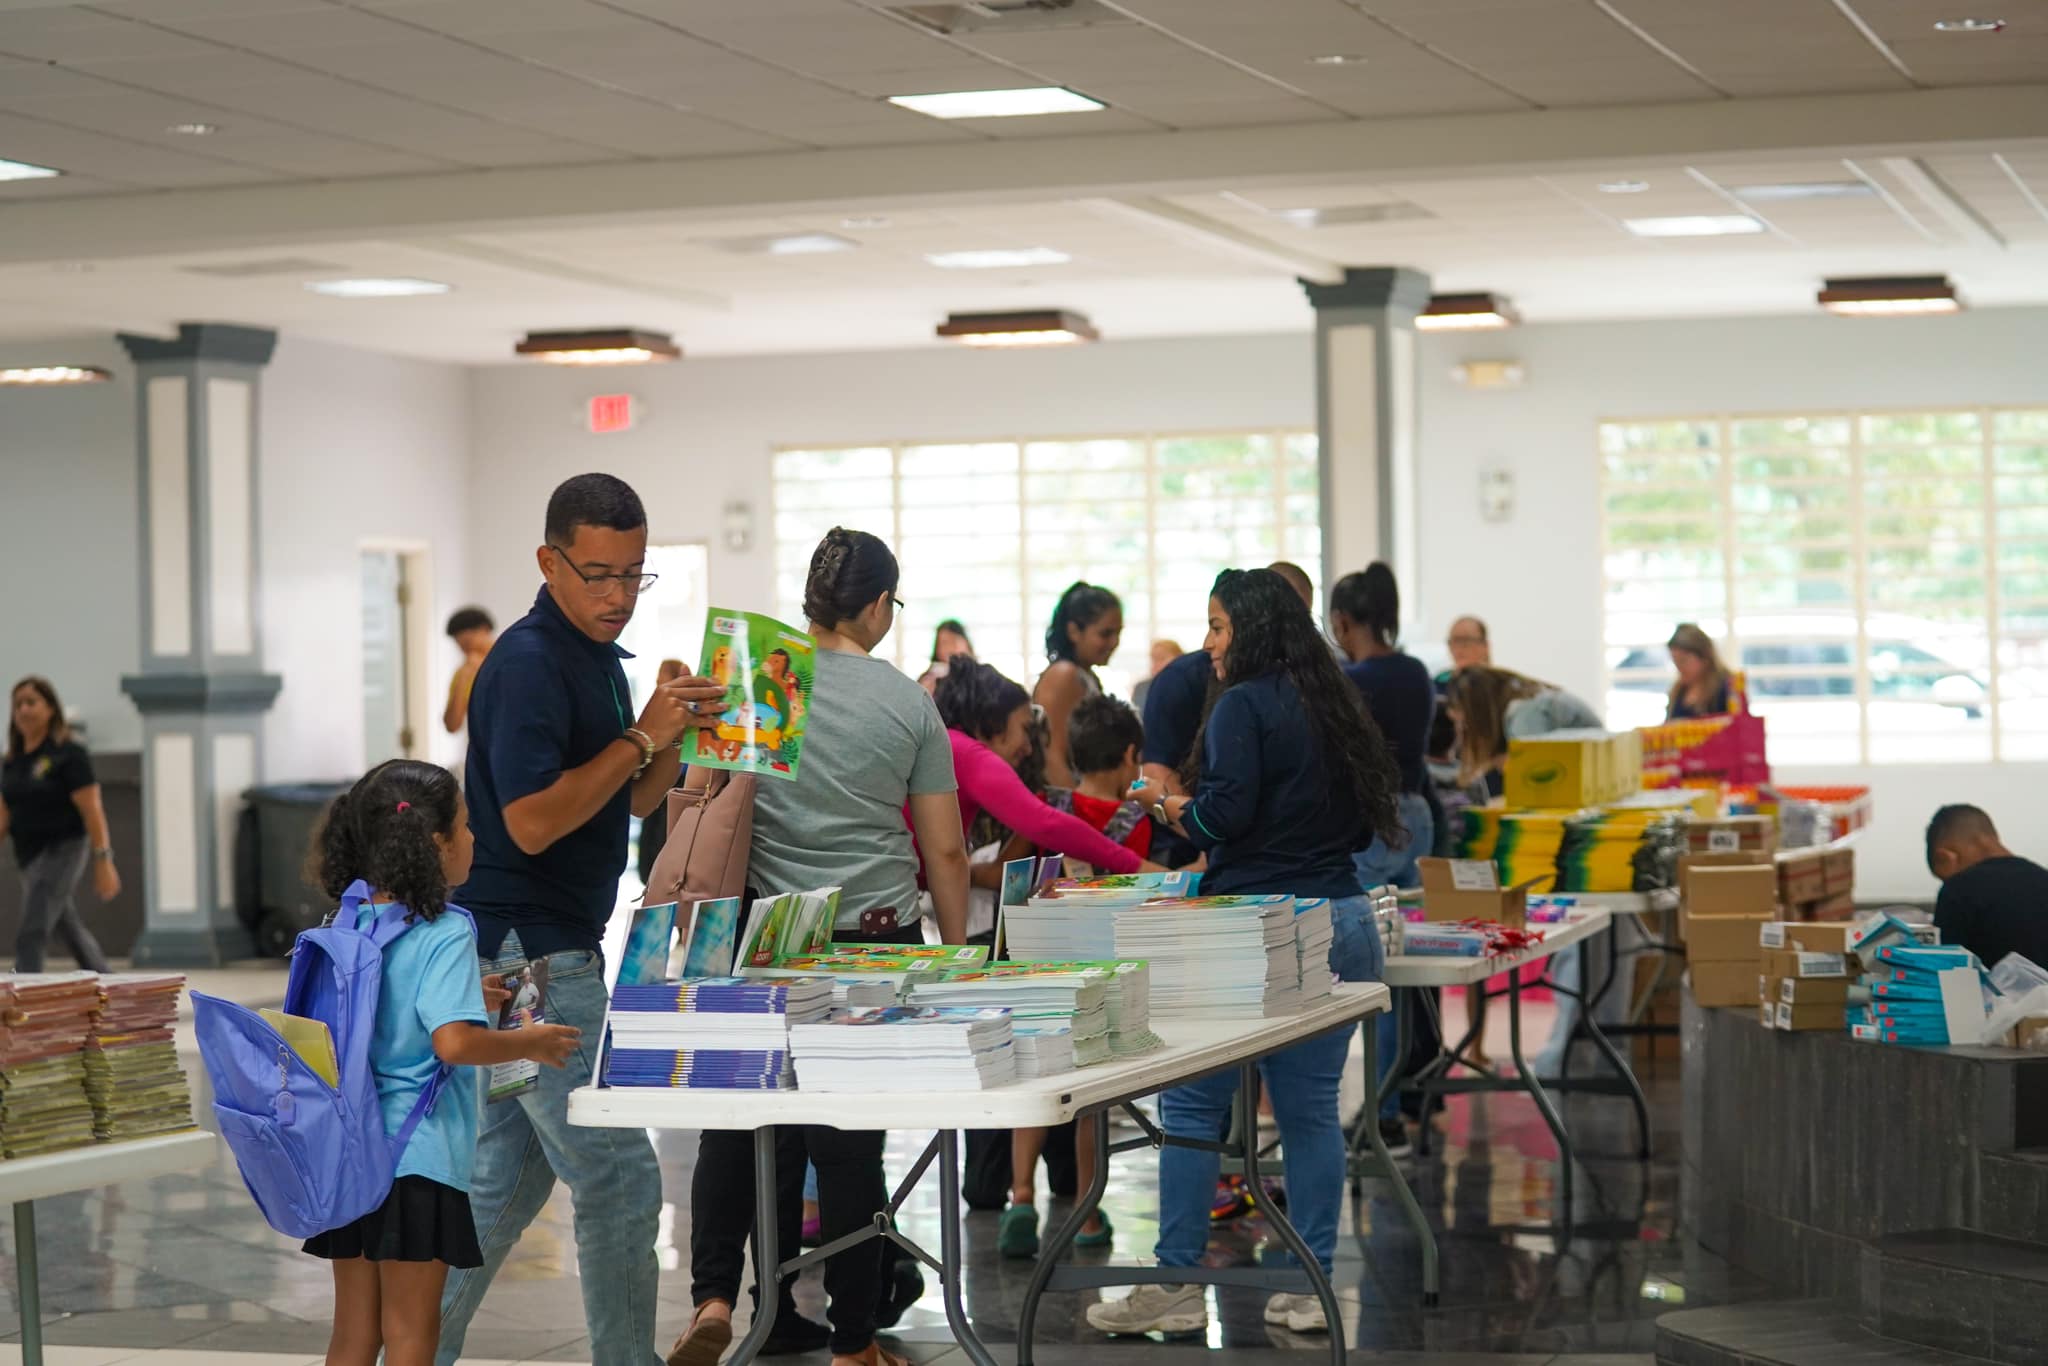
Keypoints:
(26, 1180)
(1194, 1049)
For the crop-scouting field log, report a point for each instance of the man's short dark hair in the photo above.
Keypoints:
(1958, 822)
(597, 500)
(470, 619)
(1099, 733)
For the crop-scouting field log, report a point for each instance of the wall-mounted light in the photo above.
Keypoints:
(739, 526)
(1040, 327)
(600, 346)
(1465, 313)
(1489, 374)
(44, 376)
(1901, 296)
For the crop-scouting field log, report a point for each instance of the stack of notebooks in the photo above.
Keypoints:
(1070, 920)
(1228, 957)
(1075, 995)
(720, 1033)
(132, 1074)
(890, 972)
(1045, 1048)
(44, 1020)
(896, 1048)
(1313, 935)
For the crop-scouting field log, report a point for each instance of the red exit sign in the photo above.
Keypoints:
(610, 413)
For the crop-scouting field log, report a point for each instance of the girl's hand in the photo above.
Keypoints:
(496, 993)
(1150, 867)
(105, 881)
(551, 1044)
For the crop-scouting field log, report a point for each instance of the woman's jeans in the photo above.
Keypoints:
(1381, 866)
(49, 905)
(1302, 1081)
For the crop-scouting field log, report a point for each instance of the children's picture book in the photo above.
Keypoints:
(714, 931)
(644, 959)
(529, 988)
(793, 923)
(767, 667)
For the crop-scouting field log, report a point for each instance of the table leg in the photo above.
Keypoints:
(29, 1279)
(1319, 1280)
(767, 1250)
(1409, 1204)
(1628, 1077)
(1049, 1254)
(1536, 1092)
(952, 1280)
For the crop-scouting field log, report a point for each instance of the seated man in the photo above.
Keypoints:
(1992, 902)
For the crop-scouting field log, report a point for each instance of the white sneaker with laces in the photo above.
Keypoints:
(1297, 1314)
(1152, 1309)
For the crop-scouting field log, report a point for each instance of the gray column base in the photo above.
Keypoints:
(198, 947)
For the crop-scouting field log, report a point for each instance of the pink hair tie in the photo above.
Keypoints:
(405, 806)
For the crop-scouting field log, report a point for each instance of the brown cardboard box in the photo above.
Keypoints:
(1469, 889)
(1802, 964)
(1723, 939)
(1740, 858)
(1840, 867)
(1723, 984)
(1823, 1015)
(1833, 937)
(1745, 890)
(1731, 833)
(1836, 909)
(1811, 991)
(1801, 879)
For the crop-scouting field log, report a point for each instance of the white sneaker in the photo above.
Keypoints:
(1153, 1309)
(1297, 1314)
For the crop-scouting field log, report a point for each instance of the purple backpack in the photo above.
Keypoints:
(315, 1156)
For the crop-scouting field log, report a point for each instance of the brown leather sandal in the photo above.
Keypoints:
(703, 1344)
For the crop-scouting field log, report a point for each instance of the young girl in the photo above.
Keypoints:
(403, 830)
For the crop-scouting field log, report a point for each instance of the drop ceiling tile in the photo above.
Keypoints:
(495, 18)
(77, 37)
(344, 108)
(86, 153)
(65, 186)
(928, 80)
(1059, 125)
(832, 134)
(1555, 52)
(195, 76)
(1759, 47)
(646, 130)
(294, 33)
(172, 12)
(1231, 113)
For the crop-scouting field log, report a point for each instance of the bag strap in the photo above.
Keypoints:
(421, 1108)
(1127, 819)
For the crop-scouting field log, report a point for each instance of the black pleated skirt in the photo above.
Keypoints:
(420, 1221)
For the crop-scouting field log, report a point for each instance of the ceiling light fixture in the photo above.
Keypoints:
(998, 104)
(998, 258)
(45, 375)
(864, 222)
(783, 244)
(395, 287)
(1899, 296)
(1466, 313)
(25, 170)
(1337, 59)
(193, 130)
(1816, 189)
(600, 346)
(1968, 25)
(1623, 186)
(1040, 327)
(1694, 225)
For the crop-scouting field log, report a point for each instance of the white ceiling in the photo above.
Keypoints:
(568, 162)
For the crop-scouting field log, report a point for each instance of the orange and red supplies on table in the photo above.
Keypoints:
(1466, 939)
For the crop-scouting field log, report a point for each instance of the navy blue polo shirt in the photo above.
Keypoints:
(547, 699)
(1173, 709)
(1402, 699)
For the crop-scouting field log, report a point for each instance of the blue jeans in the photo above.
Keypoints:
(1302, 1081)
(1382, 865)
(526, 1144)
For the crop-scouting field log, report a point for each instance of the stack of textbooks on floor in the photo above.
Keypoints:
(1045, 1047)
(896, 1048)
(132, 1074)
(720, 1033)
(1313, 935)
(44, 1021)
(1070, 919)
(1073, 994)
(1230, 957)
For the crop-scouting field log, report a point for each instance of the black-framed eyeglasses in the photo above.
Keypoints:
(900, 604)
(600, 585)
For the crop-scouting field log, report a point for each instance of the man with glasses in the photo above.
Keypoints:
(558, 766)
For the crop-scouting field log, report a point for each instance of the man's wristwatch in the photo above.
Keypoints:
(1159, 811)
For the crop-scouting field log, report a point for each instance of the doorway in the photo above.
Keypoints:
(395, 600)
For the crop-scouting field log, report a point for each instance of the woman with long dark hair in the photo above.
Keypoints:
(1703, 680)
(1087, 624)
(949, 641)
(50, 805)
(1295, 778)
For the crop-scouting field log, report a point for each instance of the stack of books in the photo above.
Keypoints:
(1070, 920)
(1229, 957)
(1073, 994)
(132, 1076)
(44, 1020)
(1313, 935)
(1045, 1048)
(719, 1033)
(890, 970)
(1918, 995)
(896, 1048)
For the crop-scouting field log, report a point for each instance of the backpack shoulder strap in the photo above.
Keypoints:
(421, 1108)
(1128, 818)
(1060, 799)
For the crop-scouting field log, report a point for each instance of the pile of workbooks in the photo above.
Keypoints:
(1313, 934)
(1075, 995)
(721, 1033)
(132, 1076)
(1069, 920)
(1228, 957)
(871, 974)
(44, 1021)
(906, 1048)
(1045, 1047)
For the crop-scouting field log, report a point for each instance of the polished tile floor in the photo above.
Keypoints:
(182, 1269)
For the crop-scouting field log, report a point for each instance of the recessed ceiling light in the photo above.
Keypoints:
(1623, 186)
(1694, 225)
(1969, 25)
(54, 374)
(998, 258)
(1351, 215)
(998, 104)
(783, 244)
(1891, 296)
(1039, 327)
(25, 170)
(194, 130)
(1819, 189)
(600, 346)
(864, 222)
(1466, 313)
(376, 288)
(1337, 59)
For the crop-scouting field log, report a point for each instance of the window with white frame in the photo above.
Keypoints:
(990, 533)
(1881, 577)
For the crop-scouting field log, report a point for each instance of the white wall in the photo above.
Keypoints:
(709, 425)
(68, 530)
(357, 448)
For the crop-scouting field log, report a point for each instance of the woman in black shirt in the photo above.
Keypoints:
(50, 804)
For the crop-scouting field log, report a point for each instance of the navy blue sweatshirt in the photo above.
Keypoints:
(1270, 815)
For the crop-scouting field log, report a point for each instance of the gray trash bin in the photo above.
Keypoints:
(274, 835)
